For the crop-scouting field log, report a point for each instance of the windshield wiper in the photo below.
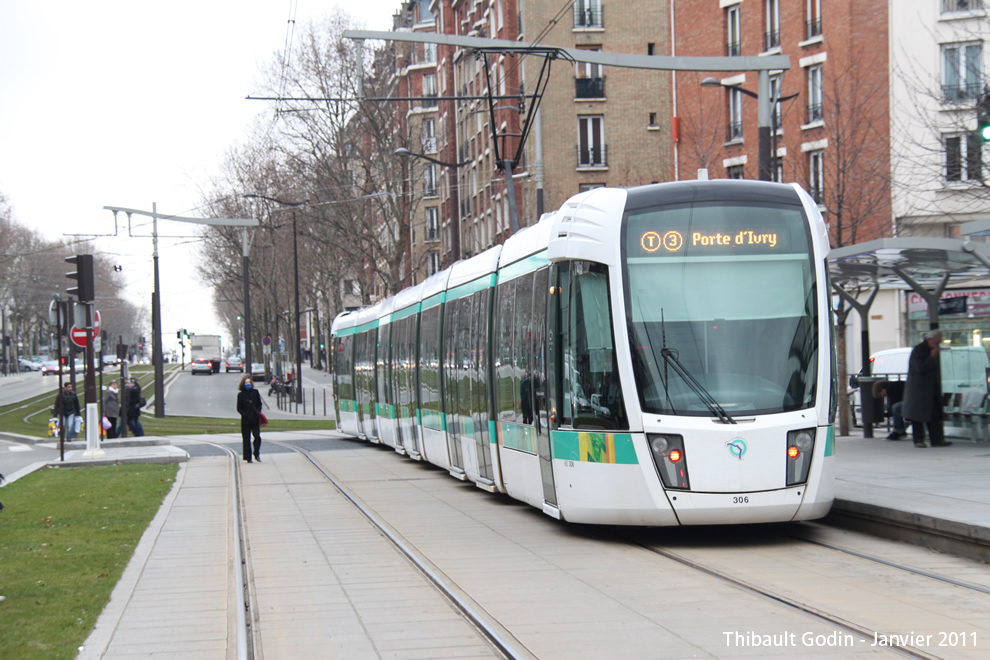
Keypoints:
(670, 357)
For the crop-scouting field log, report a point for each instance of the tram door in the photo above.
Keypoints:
(546, 326)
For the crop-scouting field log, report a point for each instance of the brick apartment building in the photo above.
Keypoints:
(832, 135)
(594, 127)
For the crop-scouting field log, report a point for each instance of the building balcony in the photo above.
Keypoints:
(592, 156)
(733, 49)
(588, 17)
(812, 28)
(960, 93)
(771, 40)
(815, 113)
(589, 88)
(735, 131)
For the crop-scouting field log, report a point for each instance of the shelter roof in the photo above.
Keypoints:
(931, 262)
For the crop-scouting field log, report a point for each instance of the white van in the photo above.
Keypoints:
(963, 367)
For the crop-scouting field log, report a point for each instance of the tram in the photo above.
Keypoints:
(658, 355)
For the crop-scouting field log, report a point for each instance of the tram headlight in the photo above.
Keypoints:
(670, 460)
(800, 448)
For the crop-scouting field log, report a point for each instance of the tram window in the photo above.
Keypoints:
(592, 395)
(344, 364)
(505, 391)
(429, 364)
(384, 373)
(521, 350)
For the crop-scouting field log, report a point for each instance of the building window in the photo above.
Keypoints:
(430, 180)
(963, 158)
(816, 175)
(429, 54)
(950, 6)
(429, 136)
(591, 146)
(432, 262)
(733, 46)
(429, 90)
(735, 114)
(588, 79)
(585, 187)
(814, 24)
(653, 119)
(772, 36)
(962, 72)
(735, 172)
(815, 112)
(433, 224)
(777, 169)
(588, 13)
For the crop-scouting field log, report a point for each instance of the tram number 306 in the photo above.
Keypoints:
(740, 499)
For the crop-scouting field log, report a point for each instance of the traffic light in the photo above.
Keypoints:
(983, 118)
(83, 275)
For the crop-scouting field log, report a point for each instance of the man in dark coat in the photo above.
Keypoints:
(249, 407)
(923, 392)
(66, 409)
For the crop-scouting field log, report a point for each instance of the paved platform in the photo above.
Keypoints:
(913, 492)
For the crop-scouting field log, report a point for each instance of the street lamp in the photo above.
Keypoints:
(766, 120)
(295, 258)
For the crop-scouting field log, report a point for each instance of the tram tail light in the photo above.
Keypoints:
(800, 448)
(668, 457)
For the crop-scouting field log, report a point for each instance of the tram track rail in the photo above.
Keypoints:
(248, 632)
(863, 632)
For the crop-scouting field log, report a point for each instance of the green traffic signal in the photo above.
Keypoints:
(985, 132)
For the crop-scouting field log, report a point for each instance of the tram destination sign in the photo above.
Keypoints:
(714, 231)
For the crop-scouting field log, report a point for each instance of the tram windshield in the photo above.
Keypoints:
(725, 291)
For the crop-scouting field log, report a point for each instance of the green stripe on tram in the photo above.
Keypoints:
(364, 327)
(433, 301)
(408, 311)
(523, 266)
(468, 288)
(348, 405)
(830, 441)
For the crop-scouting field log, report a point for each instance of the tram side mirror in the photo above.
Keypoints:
(854, 381)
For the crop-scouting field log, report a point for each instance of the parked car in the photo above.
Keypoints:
(257, 371)
(233, 364)
(28, 365)
(201, 366)
(50, 368)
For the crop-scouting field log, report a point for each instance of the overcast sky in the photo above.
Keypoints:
(128, 103)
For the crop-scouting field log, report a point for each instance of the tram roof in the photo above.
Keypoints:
(931, 262)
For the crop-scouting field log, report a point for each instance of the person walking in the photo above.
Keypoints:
(66, 409)
(923, 392)
(249, 408)
(134, 404)
(111, 408)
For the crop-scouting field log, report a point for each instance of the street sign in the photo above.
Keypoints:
(266, 340)
(78, 335)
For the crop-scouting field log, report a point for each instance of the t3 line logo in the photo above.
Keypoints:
(737, 447)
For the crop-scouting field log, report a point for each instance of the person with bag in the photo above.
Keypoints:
(66, 409)
(111, 409)
(134, 404)
(249, 408)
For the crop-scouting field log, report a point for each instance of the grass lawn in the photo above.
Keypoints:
(30, 417)
(66, 535)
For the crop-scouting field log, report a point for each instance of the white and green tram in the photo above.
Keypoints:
(658, 355)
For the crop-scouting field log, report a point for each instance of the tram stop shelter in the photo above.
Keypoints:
(923, 264)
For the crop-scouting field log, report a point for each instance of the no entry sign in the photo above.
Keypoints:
(78, 335)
